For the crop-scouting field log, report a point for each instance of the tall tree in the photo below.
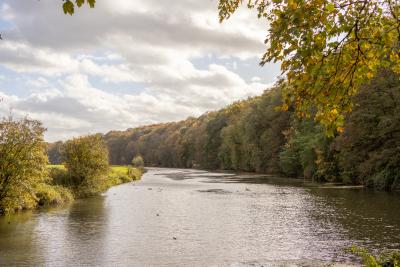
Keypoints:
(86, 159)
(23, 161)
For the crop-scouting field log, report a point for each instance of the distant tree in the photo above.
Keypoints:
(327, 49)
(138, 162)
(23, 161)
(298, 157)
(86, 160)
(69, 5)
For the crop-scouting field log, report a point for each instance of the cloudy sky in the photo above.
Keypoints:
(125, 63)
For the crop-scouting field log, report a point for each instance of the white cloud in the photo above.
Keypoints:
(74, 66)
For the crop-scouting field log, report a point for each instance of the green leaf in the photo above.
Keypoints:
(79, 3)
(91, 3)
(330, 7)
(68, 7)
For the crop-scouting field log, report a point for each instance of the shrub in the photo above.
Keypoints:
(59, 176)
(119, 174)
(51, 195)
(123, 174)
(134, 173)
(138, 162)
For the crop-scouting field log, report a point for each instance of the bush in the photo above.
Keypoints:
(138, 162)
(52, 195)
(119, 174)
(122, 174)
(134, 173)
(59, 176)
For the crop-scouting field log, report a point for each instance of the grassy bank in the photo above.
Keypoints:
(59, 189)
(122, 174)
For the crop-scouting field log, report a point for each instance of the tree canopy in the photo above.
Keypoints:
(86, 160)
(23, 162)
(327, 49)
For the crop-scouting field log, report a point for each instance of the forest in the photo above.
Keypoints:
(254, 135)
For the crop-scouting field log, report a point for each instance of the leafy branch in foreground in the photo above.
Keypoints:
(69, 6)
(327, 49)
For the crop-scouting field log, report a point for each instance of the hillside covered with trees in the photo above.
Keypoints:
(255, 136)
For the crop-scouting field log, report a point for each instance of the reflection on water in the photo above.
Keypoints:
(188, 217)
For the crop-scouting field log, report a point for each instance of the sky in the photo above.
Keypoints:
(126, 63)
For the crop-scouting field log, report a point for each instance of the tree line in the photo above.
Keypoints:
(255, 136)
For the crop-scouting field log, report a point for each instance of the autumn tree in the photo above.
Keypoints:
(327, 49)
(23, 162)
(86, 160)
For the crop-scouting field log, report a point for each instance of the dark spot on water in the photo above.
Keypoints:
(215, 190)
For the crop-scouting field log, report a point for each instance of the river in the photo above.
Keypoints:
(175, 217)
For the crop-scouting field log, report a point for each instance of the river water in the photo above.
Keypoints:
(175, 217)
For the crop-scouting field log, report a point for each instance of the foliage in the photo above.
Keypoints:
(253, 139)
(134, 173)
(86, 160)
(124, 174)
(327, 49)
(369, 146)
(138, 162)
(59, 175)
(69, 5)
(388, 259)
(301, 155)
(53, 195)
(116, 175)
(23, 162)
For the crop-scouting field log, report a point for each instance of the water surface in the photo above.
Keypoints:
(175, 217)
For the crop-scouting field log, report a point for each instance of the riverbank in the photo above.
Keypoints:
(58, 190)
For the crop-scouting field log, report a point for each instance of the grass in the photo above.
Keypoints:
(54, 166)
(119, 168)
